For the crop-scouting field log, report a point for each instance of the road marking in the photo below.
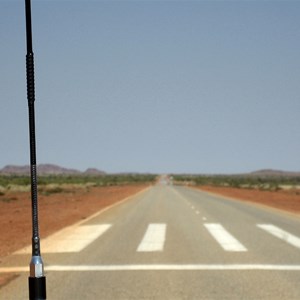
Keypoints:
(158, 267)
(224, 238)
(70, 239)
(281, 234)
(28, 249)
(153, 239)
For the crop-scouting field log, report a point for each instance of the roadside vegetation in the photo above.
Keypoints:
(240, 181)
(50, 184)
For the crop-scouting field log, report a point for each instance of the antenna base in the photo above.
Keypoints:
(37, 288)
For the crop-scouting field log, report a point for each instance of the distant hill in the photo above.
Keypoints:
(274, 173)
(47, 169)
(93, 171)
(15, 170)
(51, 169)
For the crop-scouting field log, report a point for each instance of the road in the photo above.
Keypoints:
(170, 242)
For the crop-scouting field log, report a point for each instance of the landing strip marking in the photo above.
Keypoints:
(224, 238)
(70, 239)
(281, 234)
(154, 238)
(162, 267)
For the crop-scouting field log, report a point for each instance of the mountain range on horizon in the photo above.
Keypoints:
(52, 169)
(48, 169)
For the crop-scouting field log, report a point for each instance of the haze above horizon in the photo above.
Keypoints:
(154, 86)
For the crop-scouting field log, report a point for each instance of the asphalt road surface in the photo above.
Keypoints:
(170, 242)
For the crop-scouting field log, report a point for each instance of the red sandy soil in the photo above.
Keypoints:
(288, 200)
(56, 211)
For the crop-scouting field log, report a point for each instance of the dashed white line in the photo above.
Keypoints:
(153, 239)
(224, 238)
(281, 234)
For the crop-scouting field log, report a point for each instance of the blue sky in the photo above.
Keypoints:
(154, 86)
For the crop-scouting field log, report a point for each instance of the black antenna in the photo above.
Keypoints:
(37, 280)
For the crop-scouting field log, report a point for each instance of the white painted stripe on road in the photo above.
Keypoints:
(158, 267)
(70, 239)
(281, 234)
(153, 239)
(28, 249)
(75, 240)
(224, 238)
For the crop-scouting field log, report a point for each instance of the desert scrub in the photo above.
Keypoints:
(8, 199)
(267, 183)
(52, 190)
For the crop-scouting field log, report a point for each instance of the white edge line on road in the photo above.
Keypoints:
(154, 267)
(111, 206)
